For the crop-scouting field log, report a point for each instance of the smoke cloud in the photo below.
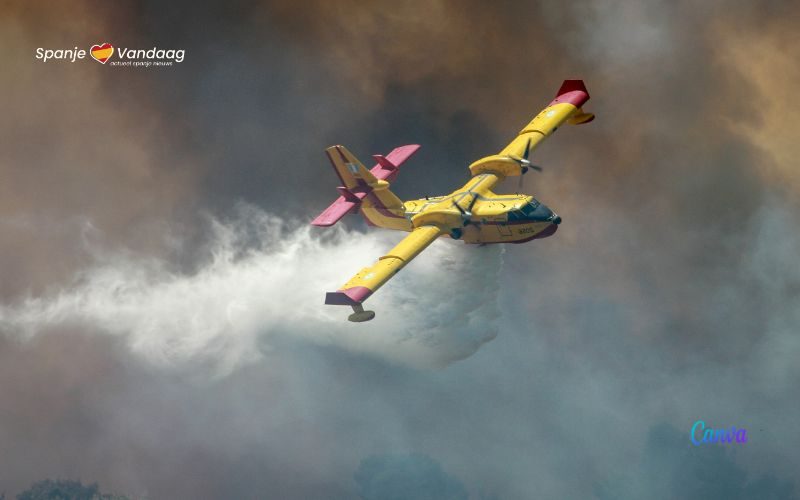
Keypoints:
(164, 352)
(262, 281)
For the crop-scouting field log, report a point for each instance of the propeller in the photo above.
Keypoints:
(524, 163)
(466, 215)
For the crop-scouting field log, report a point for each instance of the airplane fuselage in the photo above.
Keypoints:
(473, 214)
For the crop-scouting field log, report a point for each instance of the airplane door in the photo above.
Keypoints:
(505, 229)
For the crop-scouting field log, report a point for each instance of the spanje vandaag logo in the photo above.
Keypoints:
(115, 56)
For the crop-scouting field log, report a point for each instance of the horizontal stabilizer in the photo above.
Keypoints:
(334, 213)
(397, 157)
(346, 204)
(353, 175)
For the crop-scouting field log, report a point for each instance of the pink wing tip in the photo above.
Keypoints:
(319, 222)
(573, 92)
(571, 86)
(349, 297)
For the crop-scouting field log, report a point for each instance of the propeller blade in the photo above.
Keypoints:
(472, 203)
(524, 163)
(527, 149)
(465, 214)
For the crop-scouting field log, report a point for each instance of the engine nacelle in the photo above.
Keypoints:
(500, 165)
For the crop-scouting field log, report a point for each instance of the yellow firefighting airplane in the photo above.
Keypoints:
(472, 213)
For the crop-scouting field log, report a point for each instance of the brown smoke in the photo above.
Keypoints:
(86, 153)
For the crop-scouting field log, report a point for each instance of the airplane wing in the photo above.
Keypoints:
(369, 279)
(565, 108)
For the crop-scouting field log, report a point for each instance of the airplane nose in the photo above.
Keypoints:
(556, 220)
(541, 213)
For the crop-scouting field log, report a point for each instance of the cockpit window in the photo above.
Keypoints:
(528, 209)
(525, 212)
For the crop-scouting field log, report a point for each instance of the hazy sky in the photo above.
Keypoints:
(162, 330)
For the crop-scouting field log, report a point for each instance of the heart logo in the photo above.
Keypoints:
(102, 53)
